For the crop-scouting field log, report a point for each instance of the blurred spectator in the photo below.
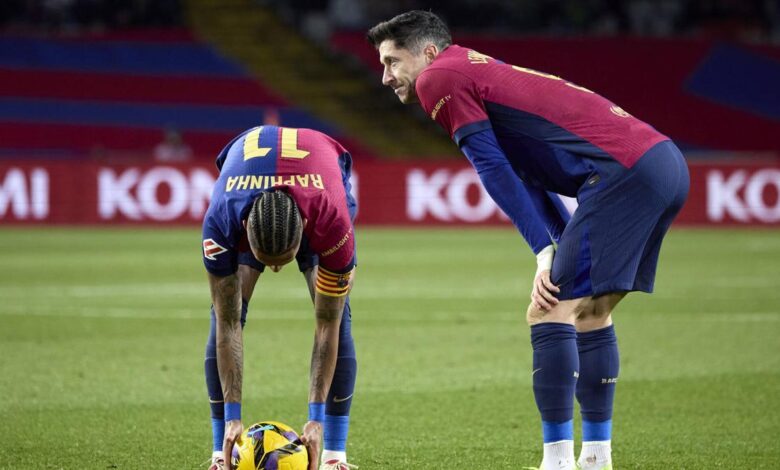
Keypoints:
(72, 16)
(751, 20)
(172, 149)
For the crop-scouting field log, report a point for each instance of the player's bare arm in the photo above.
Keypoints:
(226, 297)
(327, 310)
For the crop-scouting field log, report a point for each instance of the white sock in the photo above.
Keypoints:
(558, 456)
(339, 455)
(217, 454)
(595, 455)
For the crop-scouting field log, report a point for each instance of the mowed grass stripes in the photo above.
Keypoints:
(102, 333)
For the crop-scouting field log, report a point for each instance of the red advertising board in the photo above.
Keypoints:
(743, 193)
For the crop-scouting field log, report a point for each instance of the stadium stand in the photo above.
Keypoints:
(82, 82)
(308, 74)
(119, 92)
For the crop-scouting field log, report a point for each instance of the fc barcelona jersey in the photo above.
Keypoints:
(310, 166)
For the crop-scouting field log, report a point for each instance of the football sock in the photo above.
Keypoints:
(555, 370)
(599, 367)
(213, 385)
(595, 455)
(339, 402)
(558, 456)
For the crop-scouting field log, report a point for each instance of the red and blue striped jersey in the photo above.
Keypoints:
(310, 166)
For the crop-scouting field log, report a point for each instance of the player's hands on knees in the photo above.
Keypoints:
(543, 292)
(312, 439)
(233, 430)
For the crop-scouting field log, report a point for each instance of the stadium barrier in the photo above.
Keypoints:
(744, 193)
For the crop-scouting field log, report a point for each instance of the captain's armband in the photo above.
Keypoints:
(333, 284)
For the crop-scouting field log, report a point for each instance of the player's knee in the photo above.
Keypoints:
(597, 314)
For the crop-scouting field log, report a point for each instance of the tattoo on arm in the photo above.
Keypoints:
(226, 296)
(319, 362)
(328, 311)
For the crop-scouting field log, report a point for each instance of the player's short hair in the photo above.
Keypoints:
(412, 30)
(274, 224)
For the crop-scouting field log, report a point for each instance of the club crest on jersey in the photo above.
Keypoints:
(211, 249)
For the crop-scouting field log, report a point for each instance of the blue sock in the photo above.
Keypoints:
(599, 367)
(213, 385)
(339, 402)
(555, 370)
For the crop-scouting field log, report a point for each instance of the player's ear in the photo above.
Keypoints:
(430, 52)
(243, 222)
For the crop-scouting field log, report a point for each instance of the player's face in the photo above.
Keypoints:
(401, 69)
(276, 262)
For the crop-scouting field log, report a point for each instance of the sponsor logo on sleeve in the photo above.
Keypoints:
(211, 249)
(439, 105)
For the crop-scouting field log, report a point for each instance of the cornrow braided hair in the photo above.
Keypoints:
(274, 222)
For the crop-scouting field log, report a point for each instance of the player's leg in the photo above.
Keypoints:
(556, 365)
(339, 401)
(625, 229)
(248, 276)
(554, 376)
(595, 391)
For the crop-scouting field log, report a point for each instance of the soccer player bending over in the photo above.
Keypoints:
(527, 132)
(282, 194)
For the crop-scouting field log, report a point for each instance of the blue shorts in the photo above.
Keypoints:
(612, 241)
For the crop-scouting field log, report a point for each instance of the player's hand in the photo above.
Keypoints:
(543, 292)
(233, 430)
(312, 439)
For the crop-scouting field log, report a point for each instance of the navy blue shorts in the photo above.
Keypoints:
(612, 241)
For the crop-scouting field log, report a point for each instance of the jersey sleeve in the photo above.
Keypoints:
(509, 191)
(453, 100)
(220, 251)
(337, 263)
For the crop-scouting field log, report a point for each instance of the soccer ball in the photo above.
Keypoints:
(270, 445)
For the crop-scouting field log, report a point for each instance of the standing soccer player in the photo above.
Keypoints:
(528, 132)
(282, 194)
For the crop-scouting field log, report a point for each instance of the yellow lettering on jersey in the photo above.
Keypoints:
(438, 106)
(253, 182)
(252, 147)
(290, 144)
(257, 182)
(232, 180)
(243, 182)
(477, 58)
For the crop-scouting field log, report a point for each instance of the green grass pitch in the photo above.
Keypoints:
(102, 335)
